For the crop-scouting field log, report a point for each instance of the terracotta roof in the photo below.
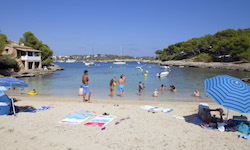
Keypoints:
(16, 45)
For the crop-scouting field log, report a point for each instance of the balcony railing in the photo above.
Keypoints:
(31, 58)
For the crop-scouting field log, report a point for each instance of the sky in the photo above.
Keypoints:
(140, 27)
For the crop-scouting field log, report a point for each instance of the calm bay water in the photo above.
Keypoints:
(66, 83)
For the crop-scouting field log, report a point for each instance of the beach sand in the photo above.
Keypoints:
(144, 130)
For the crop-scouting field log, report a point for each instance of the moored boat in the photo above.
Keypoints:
(162, 74)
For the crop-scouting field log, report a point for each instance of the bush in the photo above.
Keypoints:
(203, 57)
(6, 63)
(47, 62)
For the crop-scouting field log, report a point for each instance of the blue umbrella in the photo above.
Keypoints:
(12, 83)
(230, 92)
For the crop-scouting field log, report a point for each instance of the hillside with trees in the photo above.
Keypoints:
(226, 45)
(30, 40)
(5, 60)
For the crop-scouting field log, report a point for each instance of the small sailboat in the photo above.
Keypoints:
(119, 62)
(90, 63)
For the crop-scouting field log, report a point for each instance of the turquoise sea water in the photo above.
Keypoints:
(66, 82)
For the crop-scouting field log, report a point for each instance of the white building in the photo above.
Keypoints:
(27, 57)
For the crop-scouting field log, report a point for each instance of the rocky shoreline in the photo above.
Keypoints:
(31, 73)
(240, 66)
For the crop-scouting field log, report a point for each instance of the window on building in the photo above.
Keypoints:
(23, 53)
(6, 51)
(30, 53)
(36, 54)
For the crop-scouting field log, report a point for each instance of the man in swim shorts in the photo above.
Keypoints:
(86, 89)
(121, 82)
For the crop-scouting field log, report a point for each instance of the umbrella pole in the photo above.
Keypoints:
(227, 113)
(13, 106)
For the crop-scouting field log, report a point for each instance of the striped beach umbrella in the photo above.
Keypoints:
(230, 92)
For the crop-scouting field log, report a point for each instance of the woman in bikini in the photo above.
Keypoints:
(112, 86)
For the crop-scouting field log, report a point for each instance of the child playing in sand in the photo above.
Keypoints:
(155, 94)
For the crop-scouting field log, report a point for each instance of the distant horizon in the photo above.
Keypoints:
(140, 27)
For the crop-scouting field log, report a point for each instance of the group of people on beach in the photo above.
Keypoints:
(85, 89)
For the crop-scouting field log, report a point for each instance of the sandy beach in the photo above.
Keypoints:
(144, 130)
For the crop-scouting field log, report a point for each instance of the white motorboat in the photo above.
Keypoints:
(70, 61)
(89, 63)
(119, 62)
(164, 67)
(162, 74)
(61, 61)
(138, 67)
(138, 62)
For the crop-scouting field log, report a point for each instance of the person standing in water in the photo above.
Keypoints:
(140, 88)
(112, 86)
(86, 89)
(121, 82)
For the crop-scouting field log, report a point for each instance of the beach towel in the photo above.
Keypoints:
(77, 117)
(153, 108)
(34, 110)
(198, 121)
(72, 121)
(245, 136)
(177, 117)
(100, 120)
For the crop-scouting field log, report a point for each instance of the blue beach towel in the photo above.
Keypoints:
(81, 114)
(34, 110)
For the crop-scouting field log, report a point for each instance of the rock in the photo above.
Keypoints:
(246, 79)
(54, 67)
(214, 65)
(30, 73)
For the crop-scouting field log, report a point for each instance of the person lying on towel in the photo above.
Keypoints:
(206, 116)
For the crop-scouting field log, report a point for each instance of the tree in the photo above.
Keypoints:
(3, 42)
(30, 40)
(158, 52)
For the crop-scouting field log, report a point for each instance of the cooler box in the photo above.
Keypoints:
(4, 108)
(240, 118)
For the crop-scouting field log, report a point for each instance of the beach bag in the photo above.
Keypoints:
(244, 128)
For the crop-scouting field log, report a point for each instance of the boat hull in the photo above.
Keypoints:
(162, 74)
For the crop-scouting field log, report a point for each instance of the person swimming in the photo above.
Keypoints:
(196, 93)
(155, 93)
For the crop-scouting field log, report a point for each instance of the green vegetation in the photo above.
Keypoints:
(5, 61)
(30, 40)
(226, 45)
